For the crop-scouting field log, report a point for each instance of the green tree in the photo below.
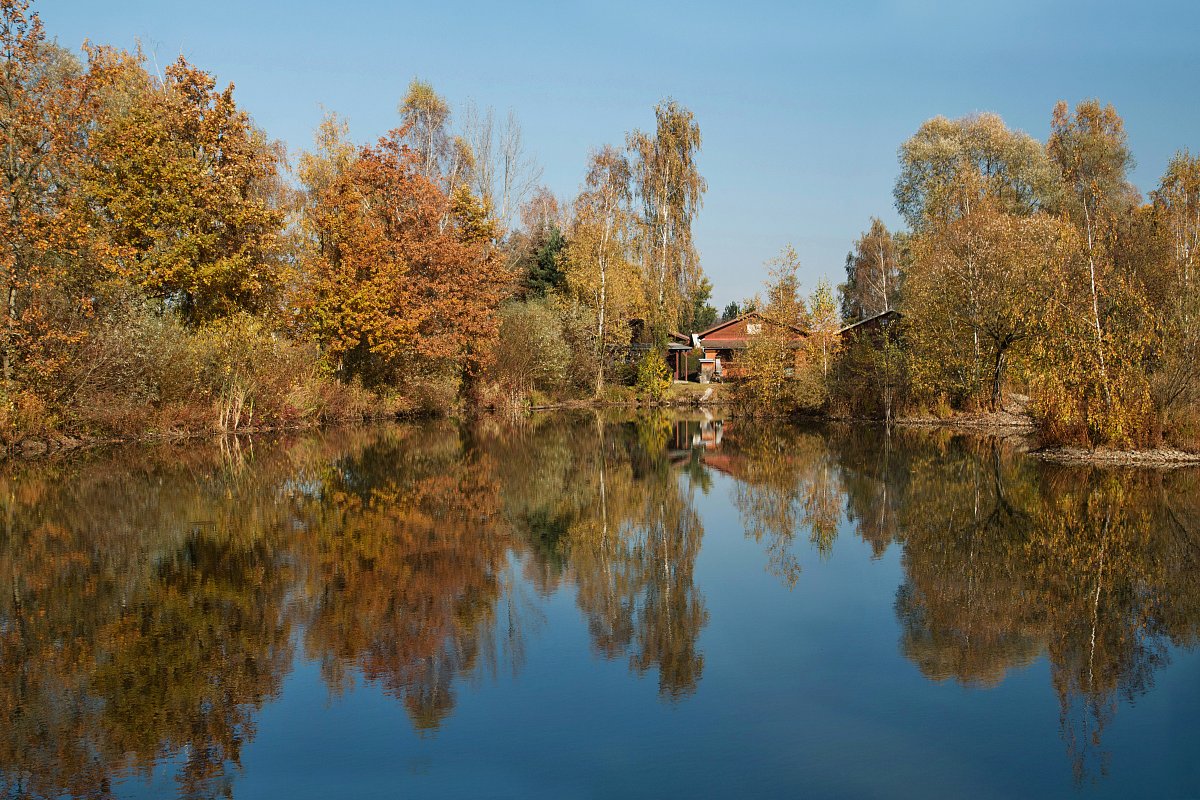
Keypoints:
(542, 264)
(701, 314)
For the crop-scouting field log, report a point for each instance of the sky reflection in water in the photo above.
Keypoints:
(591, 606)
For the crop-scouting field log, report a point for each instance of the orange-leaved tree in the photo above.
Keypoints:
(400, 282)
(43, 118)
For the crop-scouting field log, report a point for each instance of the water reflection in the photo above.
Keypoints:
(152, 598)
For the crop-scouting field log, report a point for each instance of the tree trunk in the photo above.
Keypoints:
(10, 335)
(998, 378)
(603, 305)
(1096, 305)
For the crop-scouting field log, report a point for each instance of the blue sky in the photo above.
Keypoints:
(801, 105)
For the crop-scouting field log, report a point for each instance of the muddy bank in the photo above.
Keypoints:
(1158, 457)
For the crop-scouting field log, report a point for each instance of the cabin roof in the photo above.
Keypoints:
(735, 344)
(755, 314)
(891, 313)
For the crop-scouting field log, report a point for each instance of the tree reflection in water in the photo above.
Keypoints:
(151, 597)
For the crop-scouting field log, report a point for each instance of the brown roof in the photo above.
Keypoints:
(891, 313)
(732, 344)
(741, 317)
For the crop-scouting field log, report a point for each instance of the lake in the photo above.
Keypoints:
(597, 606)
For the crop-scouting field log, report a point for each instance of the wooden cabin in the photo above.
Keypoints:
(722, 342)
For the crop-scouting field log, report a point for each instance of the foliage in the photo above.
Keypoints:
(186, 188)
(871, 375)
(149, 223)
(653, 376)
(44, 112)
(1011, 167)
(382, 290)
(532, 352)
(776, 373)
(701, 315)
(823, 341)
(873, 272)
(601, 252)
(667, 180)
(541, 265)
(976, 290)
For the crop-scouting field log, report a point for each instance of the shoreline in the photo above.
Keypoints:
(1004, 425)
(1160, 457)
(32, 447)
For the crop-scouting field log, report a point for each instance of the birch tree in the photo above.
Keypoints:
(599, 266)
(505, 173)
(667, 181)
(872, 274)
(444, 157)
(1174, 286)
(1090, 149)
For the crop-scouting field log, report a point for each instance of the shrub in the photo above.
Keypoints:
(532, 353)
(653, 376)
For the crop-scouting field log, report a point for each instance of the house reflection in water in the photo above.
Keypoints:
(693, 433)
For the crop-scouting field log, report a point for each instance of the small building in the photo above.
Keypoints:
(722, 342)
(679, 346)
(872, 326)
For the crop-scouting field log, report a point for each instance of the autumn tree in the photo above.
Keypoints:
(771, 374)
(667, 181)
(823, 341)
(1172, 280)
(442, 156)
(1090, 151)
(976, 290)
(321, 167)
(391, 291)
(187, 189)
(1102, 369)
(600, 256)
(950, 171)
(872, 274)
(43, 118)
(1011, 167)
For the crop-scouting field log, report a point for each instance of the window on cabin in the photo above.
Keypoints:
(753, 328)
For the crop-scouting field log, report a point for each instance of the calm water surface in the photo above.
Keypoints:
(593, 607)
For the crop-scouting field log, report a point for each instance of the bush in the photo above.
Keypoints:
(141, 373)
(870, 378)
(653, 376)
(531, 353)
